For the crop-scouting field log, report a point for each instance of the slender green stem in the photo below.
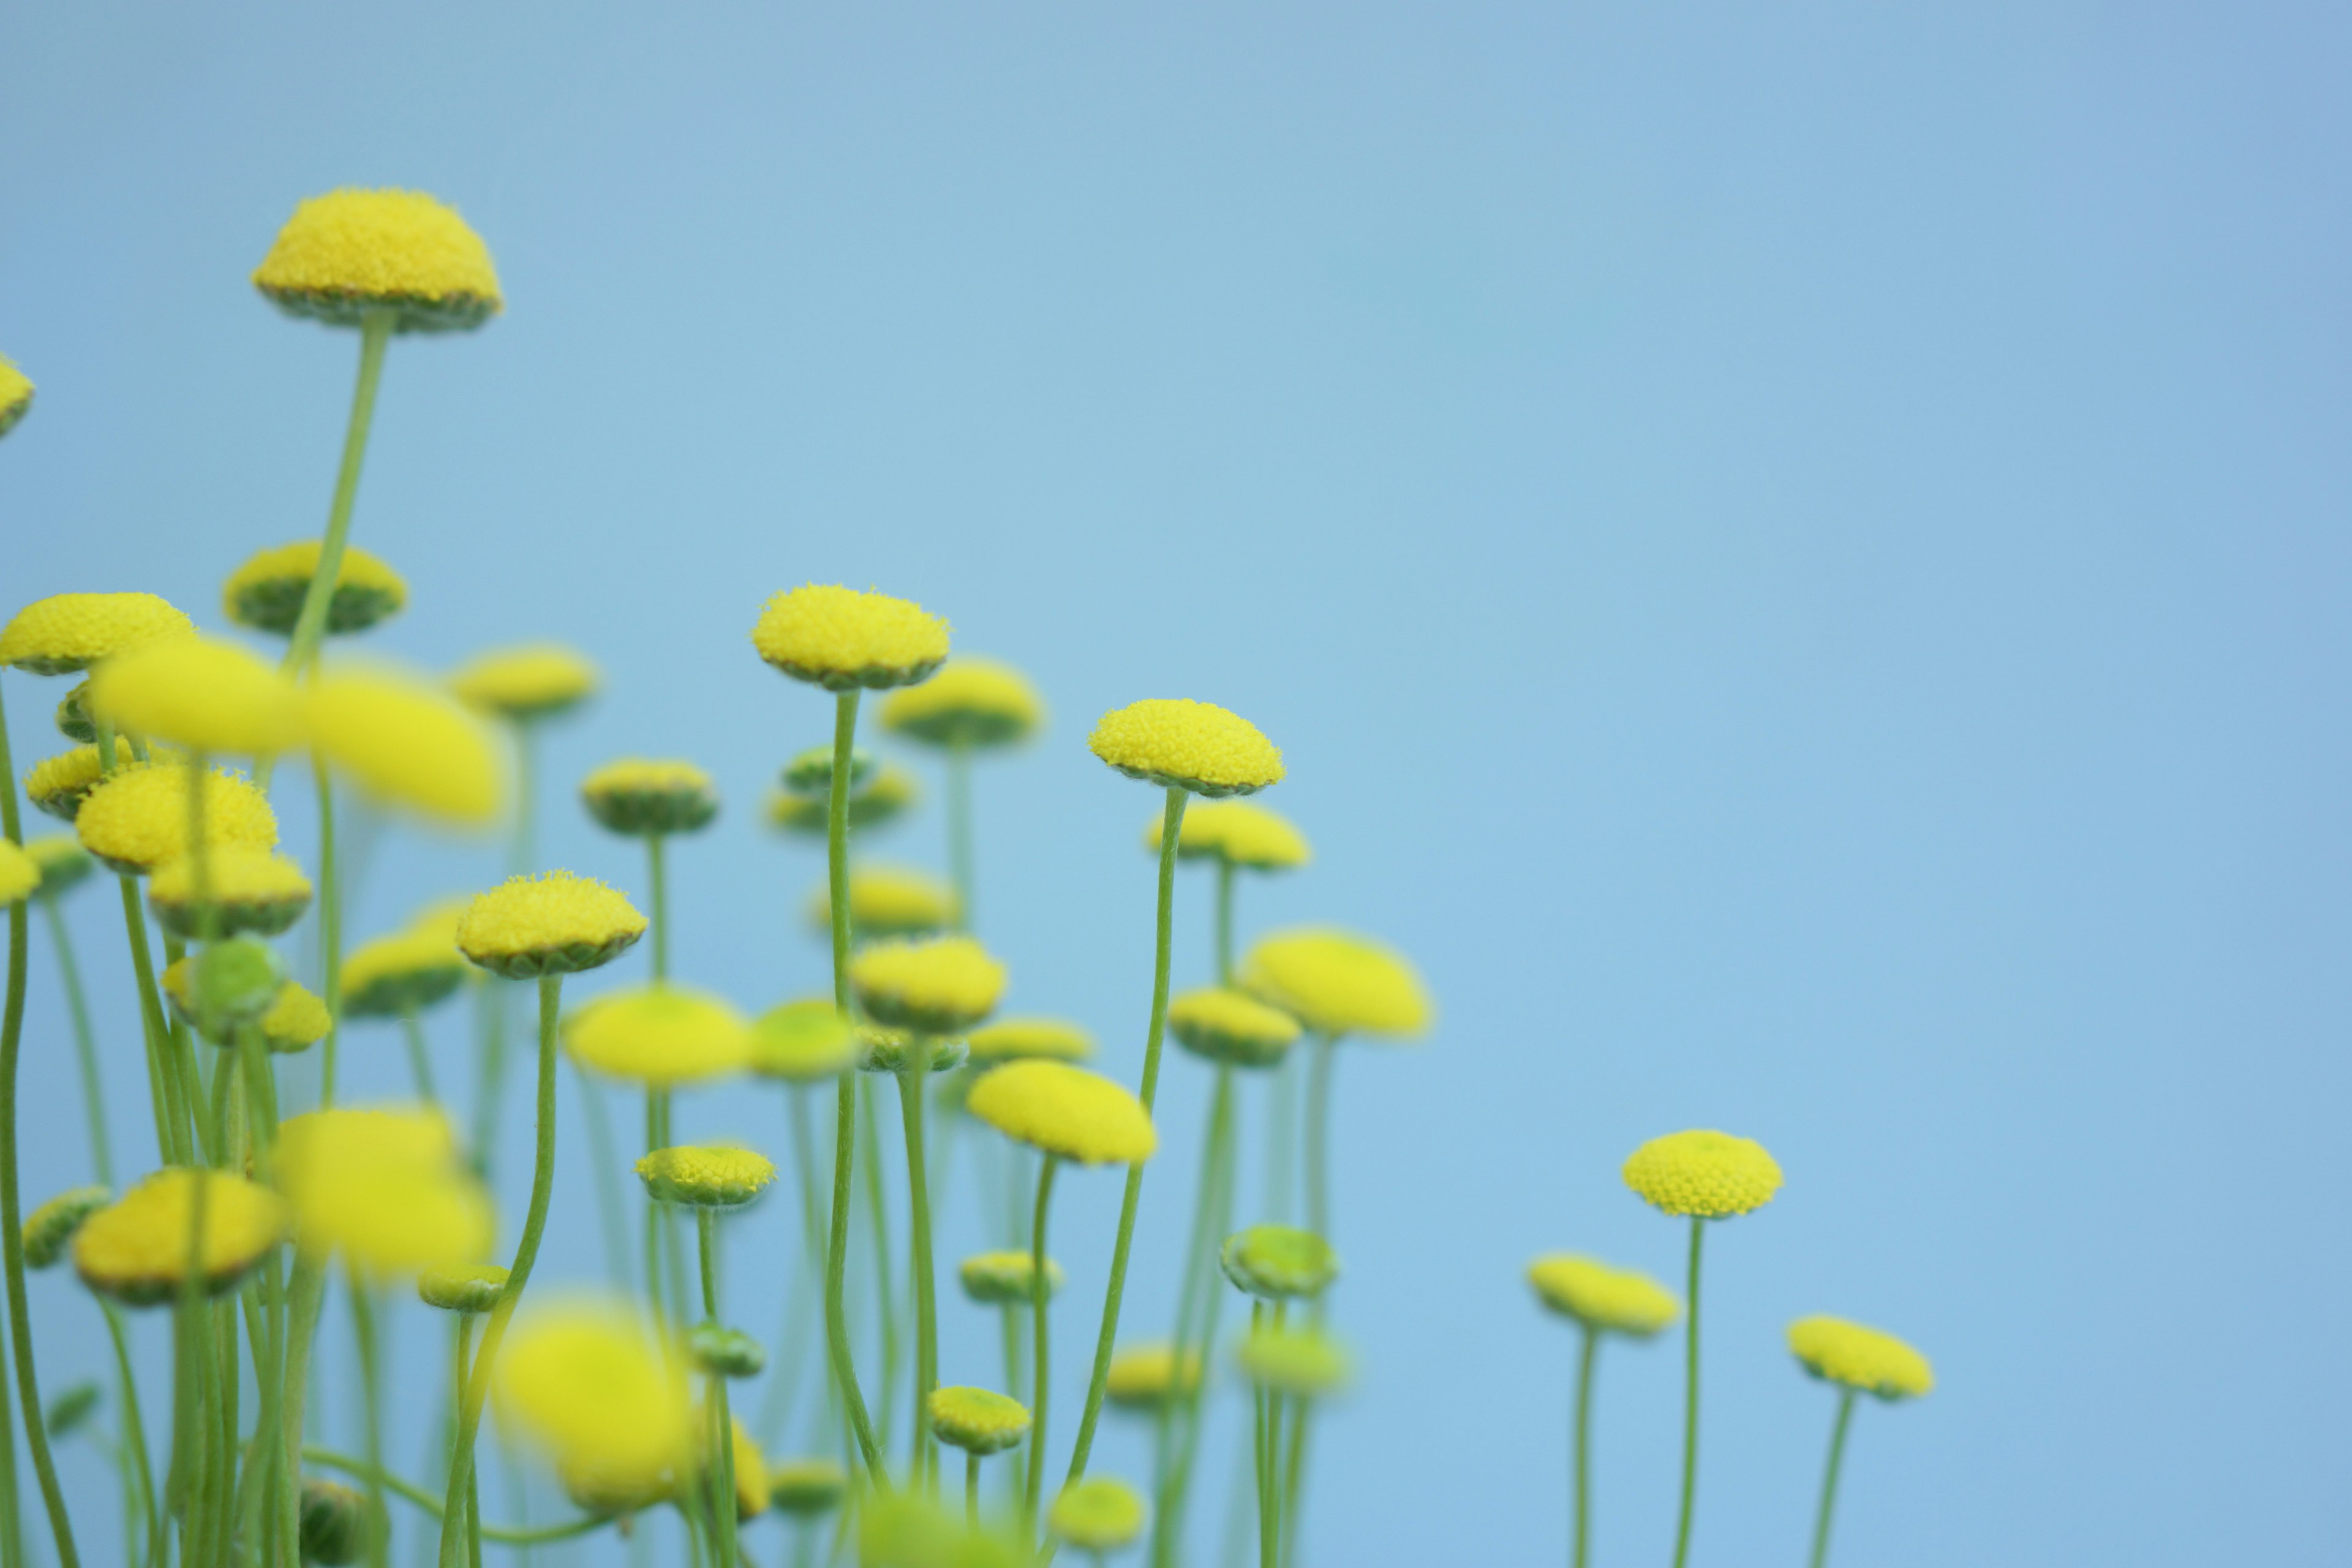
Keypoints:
(723, 1424)
(85, 1040)
(783, 1388)
(1690, 1401)
(269, 1369)
(1225, 922)
(359, 1469)
(1039, 1405)
(1829, 1478)
(657, 871)
(310, 624)
(331, 928)
(1269, 1522)
(836, 841)
(1293, 1472)
(134, 1432)
(12, 1516)
(877, 1214)
(911, 1109)
(305, 1296)
(1177, 1418)
(958, 813)
(1281, 1129)
(836, 1257)
(1584, 1456)
(656, 1296)
(420, 1059)
(473, 1481)
(1319, 1139)
(972, 1487)
(372, 1398)
(171, 1115)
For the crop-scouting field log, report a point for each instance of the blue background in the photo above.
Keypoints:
(1795, 555)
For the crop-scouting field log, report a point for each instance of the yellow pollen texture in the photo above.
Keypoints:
(1197, 746)
(840, 638)
(1703, 1175)
(138, 818)
(379, 245)
(545, 914)
(1857, 1357)
(68, 632)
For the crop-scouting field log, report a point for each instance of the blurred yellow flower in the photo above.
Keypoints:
(246, 889)
(1143, 1377)
(975, 703)
(16, 395)
(637, 797)
(405, 743)
(1616, 1300)
(942, 986)
(1019, 1040)
(586, 1382)
(888, 901)
(1065, 1111)
(660, 1035)
(385, 1189)
(1302, 1361)
(1847, 1353)
(1006, 1279)
(70, 632)
(1099, 1513)
(530, 681)
(1239, 832)
(802, 1042)
(406, 972)
(20, 875)
(890, 792)
(201, 693)
(1337, 983)
(136, 1250)
(296, 1019)
(1226, 1026)
(136, 819)
(705, 1176)
(267, 593)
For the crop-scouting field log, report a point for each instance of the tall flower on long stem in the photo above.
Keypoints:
(1855, 1360)
(971, 705)
(1600, 1300)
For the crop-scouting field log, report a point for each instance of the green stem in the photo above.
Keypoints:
(836, 1257)
(1039, 1407)
(371, 1399)
(1583, 1457)
(1225, 922)
(270, 1370)
(310, 624)
(604, 1156)
(305, 1296)
(170, 1130)
(1269, 1523)
(972, 1487)
(911, 1109)
(1690, 1401)
(958, 813)
(331, 931)
(1829, 1478)
(420, 1061)
(722, 1423)
(658, 870)
(1293, 1470)
(134, 1432)
(877, 1214)
(1281, 1127)
(1319, 1139)
(836, 841)
(85, 1040)
(457, 1402)
(359, 1469)
(1176, 1418)
(12, 1517)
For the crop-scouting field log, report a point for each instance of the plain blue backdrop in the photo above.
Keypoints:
(1796, 556)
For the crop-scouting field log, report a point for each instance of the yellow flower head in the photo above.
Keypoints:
(1278, 1262)
(406, 744)
(977, 1420)
(638, 797)
(58, 784)
(893, 1050)
(61, 860)
(1238, 832)
(975, 703)
(20, 874)
(1226, 1026)
(607, 1491)
(200, 692)
(806, 1487)
(1066, 1111)
(661, 1036)
(66, 633)
(385, 1189)
(349, 252)
(888, 901)
(136, 1250)
(1146, 1376)
(803, 1042)
(1337, 983)
(294, 1020)
(1302, 1361)
(841, 639)
(889, 794)
(910, 1529)
(752, 1491)
(406, 972)
(586, 1382)
(50, 1226)
(714, 1176)
(531, 681)
(137, 818)
(1195, 746)
(1098, 1514)
(16, 395)
(469, 1287)
(1005, 1279)
(941, 986)
(250, 890)
(1025, 1039)
(552, 924)
(1853, 1356)
(1611, 1300)
(1709, 1176)
(267, 593)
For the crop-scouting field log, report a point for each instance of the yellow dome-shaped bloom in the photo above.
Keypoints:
(246, 889)
(1005, 1279)
(350, 251)
(752, 1491)
(1024, 1040)
(16, 395)
(469, 1287)
(1709, 1176)
(61, 862)
(385, 1189)
(137, 1249)
(1615, 1301)
(1195, 746)
(660, 1035)
(888, 901)
(406, 744)
(941, 986)
(1278, 1262)
(1098, 1514)
(638, 796)
(705, 1176)
(1853, 1356)
(552, 924)
(66, 633)
(1144, 1377)
(295, 1020)
(1065, 1111)
(267, 593)
(199, 692)
(49, 1227)
(889, 794)
(531, 681)
(19, 875)
(1238, 832)
(977, 1420)
(58, 784)
(406, 972)
(976, 703)
(1226, 1026)
(841, 640)
(586, 1382)
(136, 819)
(1337, 983)
(803, 1042)
(1301, 1362)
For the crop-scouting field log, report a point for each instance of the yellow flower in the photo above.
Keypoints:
(889, 794)
(1613, 1300)
(805, 1487)
(1005, 1279)
(406, 972)
(406, 744)
(1301, 1362)
(1337, 983)
(20, 875)
(137, 819)
(841, 639)
(1709, 1175)
(137, 1249)
(596, 1489)
(1144, 1377)
(50, 1226)
(351, 251)
(1096, 1514)
(715, 1177)
(660, 1035)
(751, 1488)
(1848, 1355)
(61, 862)
(527, 683)
(585, 1380)
(977, 1420)
(1021, 1039)
(942, 986)
(66, 633)
(910, 1529)
(250, 891)
(267, 591)
(636, 796)
(294, 1020)
(803, 1042)
(1278, 1262)
(470, 1288)
(888, 901)
(1196, 746)
(976, 703)
(1066, 1111)
(201, 692)
(58, 784)
(1238, 832)
(1222, 1025)
(16, 395)
(552, 924)
(385, 1189)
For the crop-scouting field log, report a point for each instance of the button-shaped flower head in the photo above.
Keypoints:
(1189, 745)
(1278, 1262)
(1703, 1174)
(16, 395)
(716, 1176)
(136, 819)
(894, 1050)
(198, 692)
(941, 986)
(1606, 1299)
(1144, 1377)
(807, 1489)
(406, 744)
(67, 633)
(136, 1250)
(58, 784)
(640, 797)
(1099, 1513)
(350, 252)
(406, 972)
(267, 593)
(535, 680)
(810, 773)
(48, 1228)
(1848, 1355)
(292, 1017)
(806, 1041)
(384, 1188)
(1304, 1363)
(1338, 982)
(587, 1384)
(888, 901)
(552, 924)
(1238, 832)
(659, 1036)
(841, 639)
(977, 1420)
(1005, 1279)
(470, 1288)
(971, 703)
(1229, 1027)
(1030, 1039)
(889, 794)
(1064, 1111)
(244, 890)
(20, 874)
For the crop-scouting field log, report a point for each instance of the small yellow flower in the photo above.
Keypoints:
(406, 744)
(1226, 1026)
(469, 1287)
(267, 593)
(712, 1176)
(1278, 1262)
(1146, 1376)
(1024, 1039)
(1301, 1362)
(1238, 832)
(607, 1492)
(20, 874)
(1066, 1111)
(136, 1250)
(351, 251)
(50, 1226)
(841, 639)
(16, 395)
(67, 633)
(137, 818)
(807, 1488)
(942, 986)
(552, 924)
(803, 1042)
(294, 1020)
(531, 681)
(1337, 983)
(385, 1189)
(250, 891)
(1853, 1356)
(58, 784)
(638, 797)
(1005, 1279)
(1195, 746)
(977, 1420)
(1611, 1300)
(406, 972)
(975, 703)
(585, 1380)
(199, 692)
(61, 862)
(891, 792)
(1098, 1514)
(660, 1035)
(888, 901)
(1709, 1175)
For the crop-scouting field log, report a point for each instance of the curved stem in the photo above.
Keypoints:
(85, 1040)
(1039, 1408)
(722, 1422)
(959, 815)
(836, 1257)
(911, 1109)
(372, 1398)
(310, 624)
(1690, 1402)
(305, 1296)
(171, 1131)
(359, 1469)
(877, 1212)
(836, 841)
(1830, 1479)
(1583, 1457)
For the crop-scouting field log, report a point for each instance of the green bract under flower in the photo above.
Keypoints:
(1612, 1300)
(476, 1288)
(1278, 1262)
(554, 924)
(977, 1420)
(1005, 1279)
(706, 1177)
(1229, 1027)
(48, 1228)
(640, 798)
(406, 972)
(267, 593)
